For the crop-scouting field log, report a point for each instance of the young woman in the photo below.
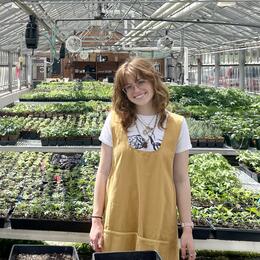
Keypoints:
(143, 170)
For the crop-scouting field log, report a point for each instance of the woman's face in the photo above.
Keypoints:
(139, 91)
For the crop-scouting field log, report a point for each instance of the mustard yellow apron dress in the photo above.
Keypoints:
(140, 205)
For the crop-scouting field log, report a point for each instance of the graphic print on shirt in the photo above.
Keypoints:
(138, 142)
(156, 145)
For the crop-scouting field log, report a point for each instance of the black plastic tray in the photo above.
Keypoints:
(237, 234)
(42, 249)
(46, 224)
(136, 255)
(2, 222)
(199, 232)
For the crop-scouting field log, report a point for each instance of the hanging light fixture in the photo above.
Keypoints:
(32, 33)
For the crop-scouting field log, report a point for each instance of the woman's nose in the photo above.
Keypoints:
(135, 86)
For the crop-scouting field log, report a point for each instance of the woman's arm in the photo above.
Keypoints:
(101, 179)
(183, 194)
(96, 232)
(182, 185)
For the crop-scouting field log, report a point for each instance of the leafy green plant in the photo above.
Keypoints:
(256, 133)
(63, 91)
(202, 129)
(251, 159)
(217, 195)
(8, 126)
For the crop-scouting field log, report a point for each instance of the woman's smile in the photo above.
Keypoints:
(139, 96)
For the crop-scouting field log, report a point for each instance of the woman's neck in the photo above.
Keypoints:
(146, 111)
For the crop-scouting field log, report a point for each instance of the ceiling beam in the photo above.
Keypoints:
(197, 21)
(122, 1)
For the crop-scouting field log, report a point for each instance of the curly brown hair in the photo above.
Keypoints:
(138, 68)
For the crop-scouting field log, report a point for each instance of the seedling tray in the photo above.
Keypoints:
(136, 255)
(42, 249)
(47, 224)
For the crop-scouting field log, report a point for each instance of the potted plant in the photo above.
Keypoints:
(94, 133)
(240, 138)
(9, 130)
(193, 132)
(219, 139)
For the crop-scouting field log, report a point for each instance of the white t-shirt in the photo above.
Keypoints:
(153, 140)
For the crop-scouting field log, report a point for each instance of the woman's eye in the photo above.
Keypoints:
(128, 87)
(141, 81)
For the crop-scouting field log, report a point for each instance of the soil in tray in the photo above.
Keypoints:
(43, 257)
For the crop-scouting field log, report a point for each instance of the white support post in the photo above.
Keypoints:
(242, 69)
(26, 69)
(199, 64)
(133, 21)
(165, 68)
(125, 27)
(29, 70)
(45, 69)
(186, 66)
(217, 69)
(10, 70)
(175, 69)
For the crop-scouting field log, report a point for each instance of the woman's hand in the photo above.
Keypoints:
(187, 245)
(96, 235)
(97, 230)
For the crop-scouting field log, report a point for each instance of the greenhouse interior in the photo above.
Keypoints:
(58, 61)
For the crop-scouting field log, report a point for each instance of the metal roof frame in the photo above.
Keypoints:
(200, 25)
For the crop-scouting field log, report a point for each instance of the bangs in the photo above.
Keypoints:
(126, 73)
(133, 72)
(134, 69)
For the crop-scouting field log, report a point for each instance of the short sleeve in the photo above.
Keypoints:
(184, 143)
(106, 132)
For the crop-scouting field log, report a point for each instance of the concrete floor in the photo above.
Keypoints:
(247, 182)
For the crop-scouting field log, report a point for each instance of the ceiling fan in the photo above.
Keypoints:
(73, 44)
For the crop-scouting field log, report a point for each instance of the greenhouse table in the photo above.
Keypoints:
(223, 151)
(26, 234)
(209, 244)
(35, 146)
